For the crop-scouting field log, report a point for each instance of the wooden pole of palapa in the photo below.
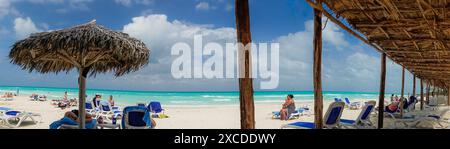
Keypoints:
(82, 96)
(245, 81)
(382, 89)
(402, 98)
(317, 68)
(421, 94)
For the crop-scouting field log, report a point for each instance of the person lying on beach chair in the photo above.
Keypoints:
(71, 119)
(63, 104)
(288, 107)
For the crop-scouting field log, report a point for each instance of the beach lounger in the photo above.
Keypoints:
(7, 98)
(337, 100)
(141, 104)
(363, 120)
(155, 107)
(331, 119)
(8, 115)
(108, 112)
(136, 117)
(413, 119)
(299, 112)
(91, 110)
(67, 123)
(352, 105)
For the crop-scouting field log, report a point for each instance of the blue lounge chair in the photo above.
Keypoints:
(136, 117)
(352, 105)
(331, 118)
(155, 107)
(67, 123)
(337, 100)
(90, 108)
(141, 105)
(363, 120)
(108, 112)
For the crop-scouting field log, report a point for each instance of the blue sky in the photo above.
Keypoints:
(348, 64)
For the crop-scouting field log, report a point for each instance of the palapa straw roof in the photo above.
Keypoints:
(88, 46)
(413, 33)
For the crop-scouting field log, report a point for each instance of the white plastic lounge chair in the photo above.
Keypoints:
(19, 116)
(352, 105)
(331, 119)
(432, 104)
(108, 112)
(363, 120)
(412, 120)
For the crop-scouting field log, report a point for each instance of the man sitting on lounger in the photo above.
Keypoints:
(288, 107)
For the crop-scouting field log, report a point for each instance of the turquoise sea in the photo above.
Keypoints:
(184, 98)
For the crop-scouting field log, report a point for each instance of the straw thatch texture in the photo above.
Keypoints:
(413, 33)
(88, 46)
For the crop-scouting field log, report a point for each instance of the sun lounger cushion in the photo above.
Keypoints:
(334, 114)
(348, 121)
(303, 124)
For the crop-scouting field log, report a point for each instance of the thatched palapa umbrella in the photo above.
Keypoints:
(89, 48)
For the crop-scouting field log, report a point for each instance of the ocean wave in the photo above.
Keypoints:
(184, 101)
(268, 101)
(222, 100)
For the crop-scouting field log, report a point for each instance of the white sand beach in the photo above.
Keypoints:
(181, 117)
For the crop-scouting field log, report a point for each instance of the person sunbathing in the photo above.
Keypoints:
(71, 118)
(74, 116)
(392, 107)
(288, 107)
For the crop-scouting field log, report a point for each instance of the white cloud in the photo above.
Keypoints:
(5, 8)
(160, 35)
(24, 27)
(131, 2)
(204, 6)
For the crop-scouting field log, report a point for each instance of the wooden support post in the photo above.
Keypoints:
(245, 81)
(414, 86)
(82, 97)
(428, 92)
(317, 69)
(421, 94)
(402, 98)
(382, 89)
(448, 96)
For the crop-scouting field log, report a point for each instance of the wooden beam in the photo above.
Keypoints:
(318, 6)
(428, 91)
(421, 94)
(448, 96)
(402, 39)
(402, 98)
(317, 69)
(414, 86)
(382, 91)
(246, 83)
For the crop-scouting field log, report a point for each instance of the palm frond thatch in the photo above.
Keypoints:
(88, 46)
(413, 33)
